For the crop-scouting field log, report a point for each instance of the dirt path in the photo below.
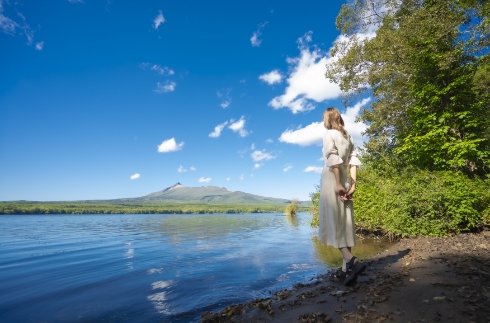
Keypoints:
(416, 280)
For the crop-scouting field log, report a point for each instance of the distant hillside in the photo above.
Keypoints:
(207, 194)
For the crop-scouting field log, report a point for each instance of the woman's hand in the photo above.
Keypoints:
(350, 193)
(341, 192)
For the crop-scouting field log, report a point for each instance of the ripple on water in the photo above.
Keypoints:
(126, 268)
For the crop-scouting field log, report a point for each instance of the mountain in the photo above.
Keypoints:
(207, 194)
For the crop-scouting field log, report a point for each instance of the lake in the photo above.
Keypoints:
(153, 268)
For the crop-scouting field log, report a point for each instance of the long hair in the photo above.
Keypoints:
(333, 120)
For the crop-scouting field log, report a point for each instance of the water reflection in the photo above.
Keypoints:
(366, 247)
(292, 220)
(152, 268)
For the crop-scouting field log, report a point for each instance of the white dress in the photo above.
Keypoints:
(337, 227)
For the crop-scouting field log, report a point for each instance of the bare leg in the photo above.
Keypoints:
(346, 256)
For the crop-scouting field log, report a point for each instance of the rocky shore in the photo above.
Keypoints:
(416, 280)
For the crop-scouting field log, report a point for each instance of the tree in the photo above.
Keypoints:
(292, 208)
(425, 64)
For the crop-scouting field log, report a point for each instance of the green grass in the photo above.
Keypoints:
(11, 208)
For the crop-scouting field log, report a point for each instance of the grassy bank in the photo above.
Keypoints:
(11, 208)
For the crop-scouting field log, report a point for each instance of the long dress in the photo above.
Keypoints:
(337, 227)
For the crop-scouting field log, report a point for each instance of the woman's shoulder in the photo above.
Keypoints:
(335, 132)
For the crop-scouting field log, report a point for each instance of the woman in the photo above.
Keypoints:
(337, 187)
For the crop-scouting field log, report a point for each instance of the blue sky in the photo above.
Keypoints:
(112, 99)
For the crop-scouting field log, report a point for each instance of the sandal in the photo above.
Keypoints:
(338, 275)
(353, 270)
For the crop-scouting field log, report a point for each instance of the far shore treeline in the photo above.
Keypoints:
(426, 71)
(11, 208)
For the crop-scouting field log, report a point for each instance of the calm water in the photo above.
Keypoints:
(151, 268)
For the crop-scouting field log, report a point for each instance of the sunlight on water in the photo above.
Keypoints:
(152, 268)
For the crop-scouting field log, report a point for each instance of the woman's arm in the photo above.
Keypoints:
(352, 188)
(340, 188)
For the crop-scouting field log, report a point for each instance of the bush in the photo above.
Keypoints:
(420, 203)
(292, 208)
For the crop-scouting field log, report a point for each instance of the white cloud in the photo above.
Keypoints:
(181, 169)
(225, 96)
(272, 77)
(261, 155)
(313, 133)
(75, 1)
(257, 166)
(39, 45)
(167, 87)
(252, 147)
(169, 145)
(309, 135)
(313, 169)
(287, 168)
(242, 177)
(144, 65)
(355, 129)
(217, 130)
(269, 141)
(227, 179)
(8, 26)
(192, 168)
(162, 70)
(205, 180)
(306, 82)
(255, 36)
(225, 104)
(158, 20)
(135, 176)
(239, 126)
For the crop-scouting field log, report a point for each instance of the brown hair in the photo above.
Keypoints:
(333, 120)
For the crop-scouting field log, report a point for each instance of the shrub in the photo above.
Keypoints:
(420, 203)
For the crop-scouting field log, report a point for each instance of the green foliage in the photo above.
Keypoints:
(292, 208)
(315, 207)
(7, 208)
(428, 72)
(420, 203)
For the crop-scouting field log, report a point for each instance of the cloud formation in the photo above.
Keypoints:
(192, 168)
(159, 19)
(162, 70)
(259, 155)
(242, 177)
(272, 77)
(314, 169)
(287, 168)
(309, 135)
(239, 127)
(205, 180)
(306, 82)
(181, 169)
(169, 146)
(39, 45)
(313, 133)
(9, 26)
(135, 176)
(254, 40)
(224, 95)
(217, 130)
(168, 86)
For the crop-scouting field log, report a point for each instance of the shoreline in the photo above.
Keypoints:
(415, 280)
